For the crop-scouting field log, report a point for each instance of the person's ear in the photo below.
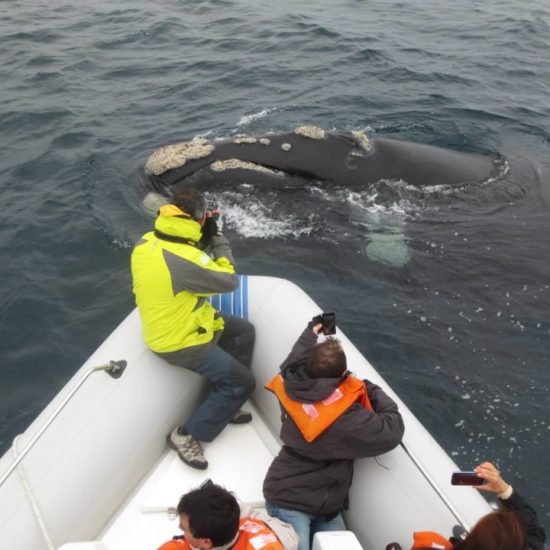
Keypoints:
(206, 544)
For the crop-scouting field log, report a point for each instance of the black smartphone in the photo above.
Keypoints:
(328, 320)
(466, 478)
(329, 323)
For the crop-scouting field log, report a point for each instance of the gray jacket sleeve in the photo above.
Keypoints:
(219, 247)
(301, 349)
(204, 280)
(363, 433)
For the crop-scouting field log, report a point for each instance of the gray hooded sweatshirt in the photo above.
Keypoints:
(315, 477)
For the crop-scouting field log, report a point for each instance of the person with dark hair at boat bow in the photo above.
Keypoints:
(210, 519)
(174, 268)
(514, 526)
(329, 418)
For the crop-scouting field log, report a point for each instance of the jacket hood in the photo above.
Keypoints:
(175, 222)
(300, 387)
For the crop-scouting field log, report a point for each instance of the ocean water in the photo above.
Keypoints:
(445, 290)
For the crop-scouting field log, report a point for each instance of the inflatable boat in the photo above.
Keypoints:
(93, 471)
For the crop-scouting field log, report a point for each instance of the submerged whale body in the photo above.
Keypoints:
(347, 159)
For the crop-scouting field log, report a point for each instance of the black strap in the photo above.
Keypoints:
(173, 238)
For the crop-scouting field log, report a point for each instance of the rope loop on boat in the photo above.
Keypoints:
(32, 500)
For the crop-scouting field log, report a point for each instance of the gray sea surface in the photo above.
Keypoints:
(445, 290)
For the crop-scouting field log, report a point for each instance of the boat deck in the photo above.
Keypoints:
(147, 519)
(106, 460)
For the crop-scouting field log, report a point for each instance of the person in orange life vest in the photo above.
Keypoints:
(513, 527)
(329, 418)
(210, 519)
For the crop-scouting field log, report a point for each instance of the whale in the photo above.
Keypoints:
(349, 159)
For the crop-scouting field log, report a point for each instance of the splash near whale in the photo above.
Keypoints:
(291, 161)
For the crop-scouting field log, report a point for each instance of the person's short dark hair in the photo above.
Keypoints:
(191, 201)
(213, 513)
(327, 360)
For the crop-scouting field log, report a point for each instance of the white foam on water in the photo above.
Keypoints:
(368, 210)
(245, 120)
(251, 218)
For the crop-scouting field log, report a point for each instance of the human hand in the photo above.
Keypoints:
(214, 218)
(317, 329)
(493, 482)
(317, 325)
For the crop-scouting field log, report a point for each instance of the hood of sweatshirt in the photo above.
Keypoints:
(300, 387)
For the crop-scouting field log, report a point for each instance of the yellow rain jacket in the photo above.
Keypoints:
(171, 277)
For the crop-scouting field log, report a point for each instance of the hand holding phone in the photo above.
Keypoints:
(328, 320)
(466, 478)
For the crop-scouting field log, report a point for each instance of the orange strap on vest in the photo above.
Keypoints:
(253, 535)
(430, 539)
(312, 419)
(177, 544)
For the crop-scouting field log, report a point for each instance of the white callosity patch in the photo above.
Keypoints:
(234, 164)
(362, 140)
(312, 132)
(241, 138)
(264, 141)
(177, 154)
(286, 147)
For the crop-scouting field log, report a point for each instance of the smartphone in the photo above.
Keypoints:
(329, 323)
(328, 320)
(466, 478)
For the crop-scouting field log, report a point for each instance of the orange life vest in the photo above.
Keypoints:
(174, 544)
(253, 535)
(430, 539)
(312, 419)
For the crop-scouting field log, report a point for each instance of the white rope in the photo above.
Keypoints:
(32, 500)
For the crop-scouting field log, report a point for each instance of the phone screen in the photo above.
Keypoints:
(466, 478)
(329, 323)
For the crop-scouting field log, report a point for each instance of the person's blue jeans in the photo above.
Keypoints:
(227, 368)
(305, 525)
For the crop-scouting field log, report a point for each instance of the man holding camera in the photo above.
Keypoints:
(329, 418)
(174, 268)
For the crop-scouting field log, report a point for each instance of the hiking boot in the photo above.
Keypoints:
(241, 417)
(188, 448)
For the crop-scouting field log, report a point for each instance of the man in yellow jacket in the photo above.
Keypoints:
(174, 268)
